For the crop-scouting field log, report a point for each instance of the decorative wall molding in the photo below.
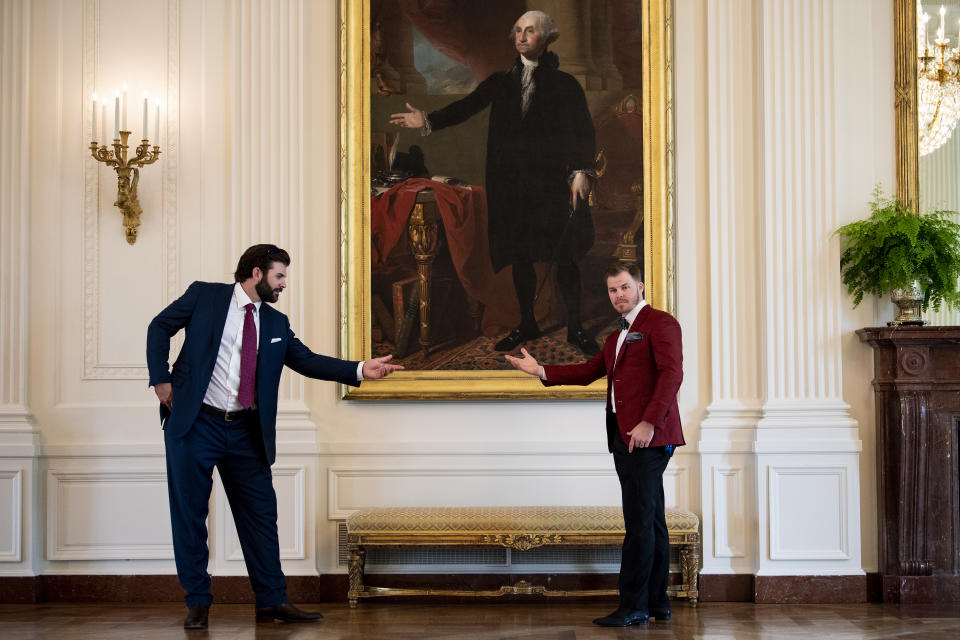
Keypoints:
(729, 526)
(592, 452)
(781, 506)
(676, 487)
(93, 366)
(394, 478)
(76, 531)
(11, 492)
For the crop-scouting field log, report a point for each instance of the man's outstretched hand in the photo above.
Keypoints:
(379, 368)
(412, 119)
(527, 364)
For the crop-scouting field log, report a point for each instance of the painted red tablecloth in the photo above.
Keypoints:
(464, 215)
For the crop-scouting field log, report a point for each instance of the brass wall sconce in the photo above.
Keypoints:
(128, 171)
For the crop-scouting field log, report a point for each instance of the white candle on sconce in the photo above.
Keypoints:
(103, 119)
(116, 115)
(93, 117)
(942, 30)
(156, 127)
(123, 108)
(145, 115)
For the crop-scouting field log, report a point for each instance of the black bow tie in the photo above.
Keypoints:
(622, 324)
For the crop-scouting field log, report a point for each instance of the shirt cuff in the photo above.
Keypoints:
(427, 128)
(543, 373)
(360, 377)
(590, 174)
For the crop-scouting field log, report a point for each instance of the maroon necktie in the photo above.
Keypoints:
(248, 359)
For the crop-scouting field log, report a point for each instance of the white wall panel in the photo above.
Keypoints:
(352, 488)
(676, 486)
(808, 513)
(108, 515)
(111, 349)
(11, 515)
(729, 519)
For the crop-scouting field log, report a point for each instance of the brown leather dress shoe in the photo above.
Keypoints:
(286, 612)
(196, 617)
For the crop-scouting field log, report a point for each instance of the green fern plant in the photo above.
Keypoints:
(894, 247)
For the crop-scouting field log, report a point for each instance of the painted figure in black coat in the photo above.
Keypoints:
(540, 157)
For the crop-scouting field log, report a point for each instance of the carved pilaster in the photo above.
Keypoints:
(267, 188)
(15, 218)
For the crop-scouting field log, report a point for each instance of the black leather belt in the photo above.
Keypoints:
(226, 416)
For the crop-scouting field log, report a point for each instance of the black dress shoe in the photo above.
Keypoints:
(583, 341)
(517, 337)
(623, 617)
(660, 613)
(196, 617)
(287, 613)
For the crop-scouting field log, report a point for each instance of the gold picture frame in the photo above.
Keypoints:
(905, 102)
(356, 312)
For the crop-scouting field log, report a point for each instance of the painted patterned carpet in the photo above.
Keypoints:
(478, 353)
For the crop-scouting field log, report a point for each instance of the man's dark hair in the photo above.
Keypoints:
(618, 267)
(259, 255)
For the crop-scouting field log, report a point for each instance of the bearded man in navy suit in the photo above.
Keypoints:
(218, 407)
(643, 364)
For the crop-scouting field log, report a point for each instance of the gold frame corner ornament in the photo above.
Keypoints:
(355, 255)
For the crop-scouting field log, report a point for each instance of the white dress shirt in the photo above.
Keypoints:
(225, 382)
(527, 84)
(630, 317)
(224, 385)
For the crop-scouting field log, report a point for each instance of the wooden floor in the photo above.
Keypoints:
(513, 621)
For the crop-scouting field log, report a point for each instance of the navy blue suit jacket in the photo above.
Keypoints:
(202, 311)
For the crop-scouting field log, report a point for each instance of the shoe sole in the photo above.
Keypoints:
(273, 619)
(620, 626)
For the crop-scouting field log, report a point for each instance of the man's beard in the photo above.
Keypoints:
(266, 293)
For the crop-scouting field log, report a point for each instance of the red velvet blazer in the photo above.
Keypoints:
(646, 376)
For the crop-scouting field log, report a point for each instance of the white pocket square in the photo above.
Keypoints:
(272, 340)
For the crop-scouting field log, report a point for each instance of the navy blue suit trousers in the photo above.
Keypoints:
(236, 449)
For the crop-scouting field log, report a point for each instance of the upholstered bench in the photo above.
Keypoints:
(519, 528)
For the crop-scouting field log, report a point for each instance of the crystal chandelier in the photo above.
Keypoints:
(938, 84)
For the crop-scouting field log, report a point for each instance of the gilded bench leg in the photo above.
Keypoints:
(357, 557)
(690, 567)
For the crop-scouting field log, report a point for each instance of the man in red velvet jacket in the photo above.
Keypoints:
(643, 364)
